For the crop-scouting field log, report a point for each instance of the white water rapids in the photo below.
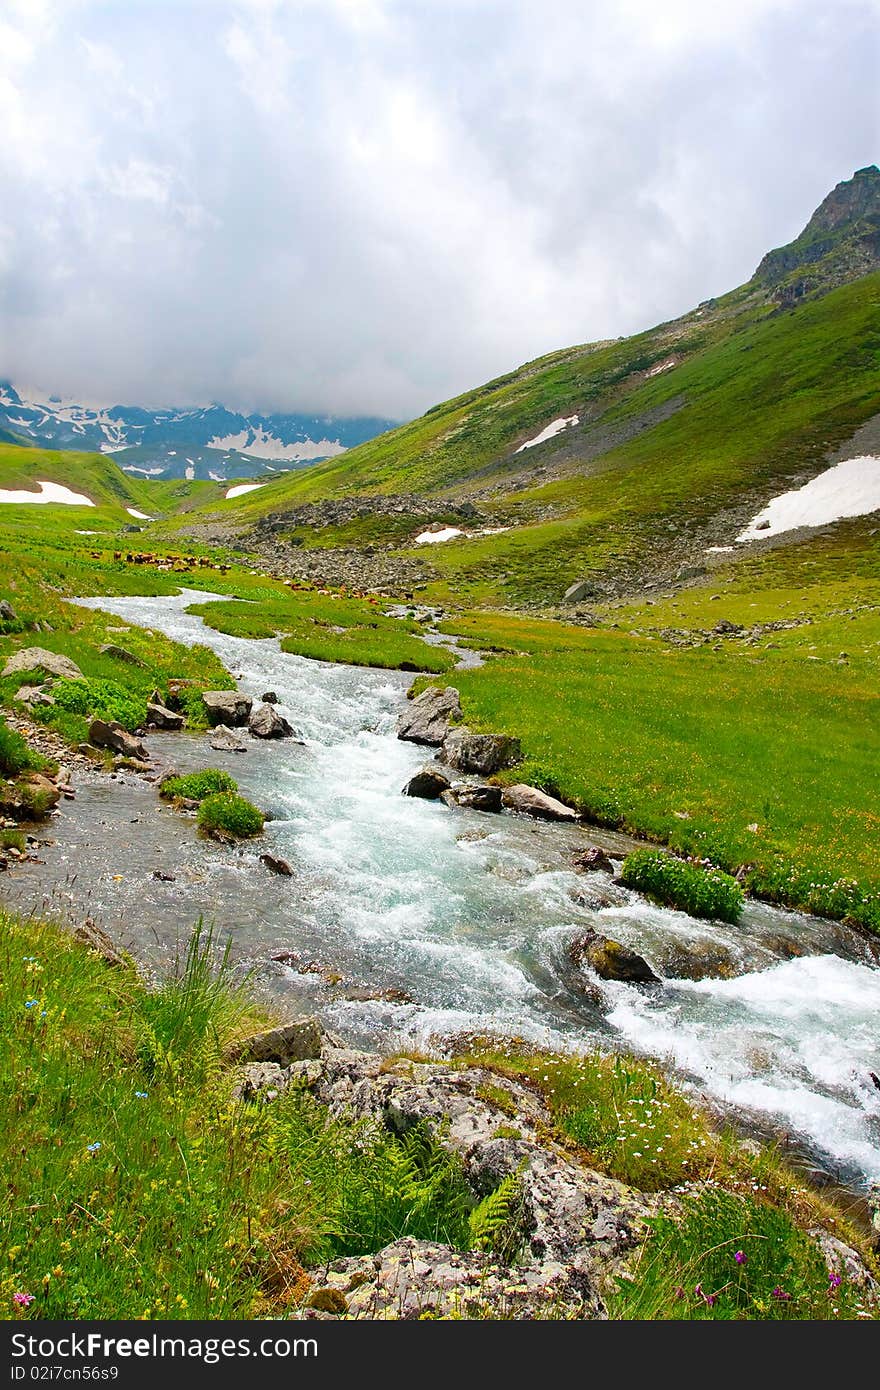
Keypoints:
(462, 920)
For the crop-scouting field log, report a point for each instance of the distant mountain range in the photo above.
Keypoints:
(208, 442)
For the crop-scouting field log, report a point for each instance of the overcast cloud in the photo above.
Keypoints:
(366, 206)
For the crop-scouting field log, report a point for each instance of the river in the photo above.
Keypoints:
(406, 923)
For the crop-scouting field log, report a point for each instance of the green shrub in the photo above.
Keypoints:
(15, 755)
(698, 891)
(730, 1258)
(225, 813)
(195, 786)
(101, 699)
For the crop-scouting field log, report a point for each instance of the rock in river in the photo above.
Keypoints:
(429, 716)
(480, 753)
(532, 802)
(103, 734)
(611, 960)
(474, 798)
(266, 722)
(227, 707)
(225, 740)
(161, 718)
(428, 783)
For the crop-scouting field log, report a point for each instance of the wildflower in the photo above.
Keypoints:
(781, 1295)
(24, 1300)
(834, 1281)
(93, 1148)
(141, 1095)
(31, 1003)
(741, 1257)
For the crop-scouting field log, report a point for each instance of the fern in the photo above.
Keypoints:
(495, 1222)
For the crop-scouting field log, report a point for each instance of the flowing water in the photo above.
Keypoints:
(405, 922)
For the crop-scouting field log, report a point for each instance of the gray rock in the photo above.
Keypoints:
(278, 866)
(291, 1042)
(262, 1081)
(38, 659)
(532, 802)
(223, 740)
(593, 860)
(34, 695)
(112, 735)
(227, 707)
(266, 722)
(480, 753)
(7, 612)
(429, 783)
(611, 960)
(161, 718)
(94, 938)
(428, 718)
(477, 798)
(121, 654)
(581, 589)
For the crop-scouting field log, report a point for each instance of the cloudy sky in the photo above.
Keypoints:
(366, 206)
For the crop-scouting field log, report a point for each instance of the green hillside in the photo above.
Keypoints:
(97, 477)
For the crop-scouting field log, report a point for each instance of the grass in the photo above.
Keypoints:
(226, 814)
(134, 1187)
(16, 755)
(702, 892)
(195, 786)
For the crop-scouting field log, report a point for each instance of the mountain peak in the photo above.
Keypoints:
(840, 242)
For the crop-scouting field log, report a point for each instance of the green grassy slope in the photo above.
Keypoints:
(97, 477)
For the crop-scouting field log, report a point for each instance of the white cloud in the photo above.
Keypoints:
(370, 205)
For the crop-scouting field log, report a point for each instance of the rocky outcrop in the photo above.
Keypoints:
(429, 783)
(7, 612)
(110, 734)
(429, 716)
(158, 717)
(39, 659)
(474, 798)
(34, 695)
(292, 1042)
(227, 707)
(530, 801)
(480, 753)
(224, 740)
(611, 960)
(266, 722)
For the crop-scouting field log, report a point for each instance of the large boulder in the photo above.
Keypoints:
(227, 707)
(161, 718)
(104, 734)
(579, 590)
(428, 783)
(225, 740)
(428, 718)
(532, 802)
(480, 753)
(474, 798)
(291, 1042)
(611, 960)
(7, 612)
(266, 722)
(38, 659)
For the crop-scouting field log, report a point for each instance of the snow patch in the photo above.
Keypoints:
(432, 537)
(147, 472)
(49, 492)
(241, 488)
(261, 444)
(661, 367)
(555, 427)
(850, 488)
(141, 516)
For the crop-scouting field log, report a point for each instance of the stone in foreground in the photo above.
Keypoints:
(532, 802)
(224, 740)
(480, 753)
(104, 734)
(227, 707)
(161, 718)
(266, 722)
(428, 718)
(292, 1042)
(611, 960)
(428, 783)
(39, 659)
(475, 798)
